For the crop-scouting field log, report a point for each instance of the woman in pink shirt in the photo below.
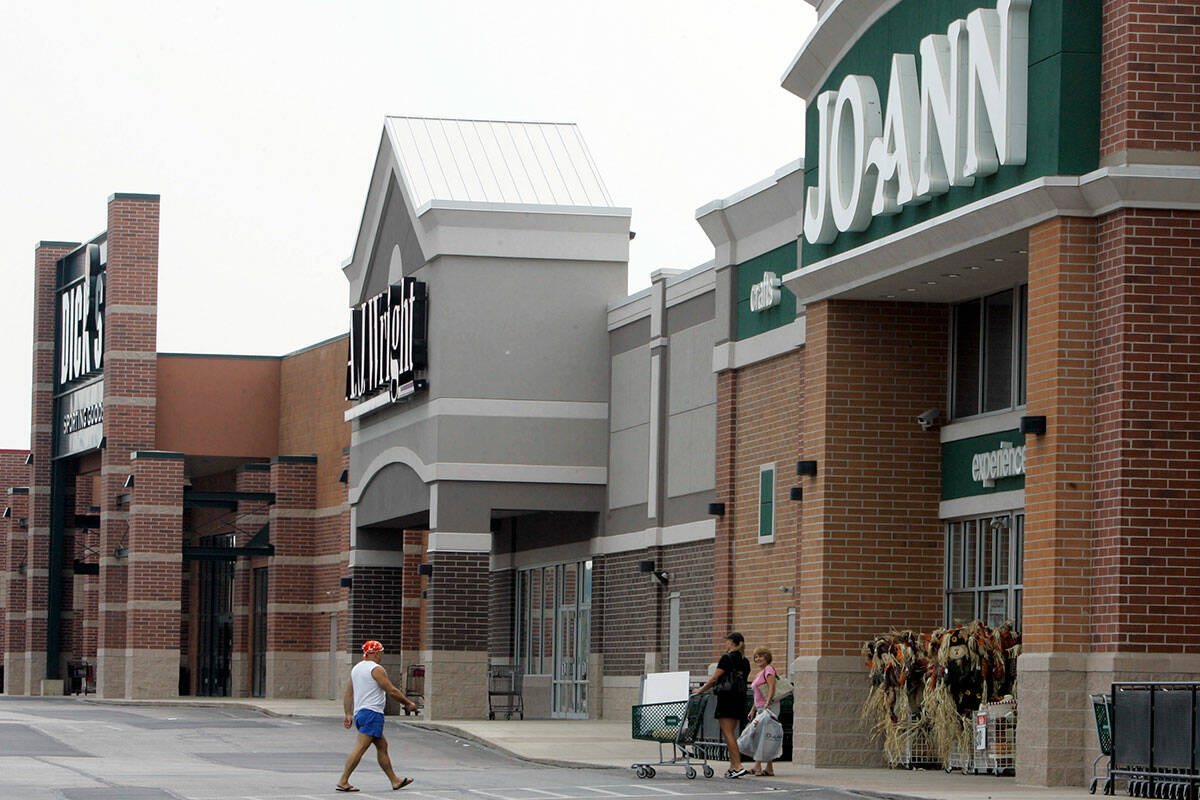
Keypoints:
(764, 695)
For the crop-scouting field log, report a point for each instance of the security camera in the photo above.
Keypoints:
(926, 419)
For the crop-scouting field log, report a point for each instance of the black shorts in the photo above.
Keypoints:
(731, 705)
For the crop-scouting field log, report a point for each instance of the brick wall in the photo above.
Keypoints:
(871, 558)
(767, 415)
(1145, 589)
(1150, 84)
(631, 609)
(13, 474)
(1059, 466)
(376, 608)
(691, 569)
(290, 623)
(456, 616)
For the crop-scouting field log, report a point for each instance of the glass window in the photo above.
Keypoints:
(988, 346)
(983, 569)
(1022, 343)
(766, 502)
(956, 556)
(998, 353)
(966, 359)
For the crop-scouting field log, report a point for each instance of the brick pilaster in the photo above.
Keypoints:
(252, 515)
(871, 369)
(16, 676)
(291, 618)
(456, 634)
(37, 578)
(726, 476)
(154, 575)
(130, 398)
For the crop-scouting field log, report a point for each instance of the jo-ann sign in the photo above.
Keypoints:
(956, 115)
(387, 343)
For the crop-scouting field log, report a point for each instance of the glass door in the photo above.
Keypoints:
(572, 640)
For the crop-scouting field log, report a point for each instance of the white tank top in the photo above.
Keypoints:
(367, 691)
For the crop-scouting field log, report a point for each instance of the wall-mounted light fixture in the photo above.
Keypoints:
(21, 569)
(1035, 425)
(129, 482)
(796, 493)
(7, 512)
(344, 477)
(716, 509)
(928, 418)
(121, 551)
(345, 583)
(425, 569)
(806, 468)
(662, 576)
(28, 459)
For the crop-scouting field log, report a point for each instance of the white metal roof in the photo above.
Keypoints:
(486, 161)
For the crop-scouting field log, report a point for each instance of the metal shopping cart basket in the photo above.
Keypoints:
(678, 724)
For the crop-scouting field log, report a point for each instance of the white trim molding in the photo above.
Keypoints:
(982, 504)
(684, 533)
(452, 542)
(777, 342)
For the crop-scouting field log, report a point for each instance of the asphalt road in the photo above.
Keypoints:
(71, 750)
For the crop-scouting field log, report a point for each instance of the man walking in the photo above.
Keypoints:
(366, 692)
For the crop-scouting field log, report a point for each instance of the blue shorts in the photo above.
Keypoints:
(369, 722)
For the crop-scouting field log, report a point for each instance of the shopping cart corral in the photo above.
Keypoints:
(414, 687)
(679, 724)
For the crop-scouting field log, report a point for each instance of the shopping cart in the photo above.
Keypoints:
(679, 724)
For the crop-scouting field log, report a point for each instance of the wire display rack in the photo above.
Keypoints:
(916, 750)
(993, 745)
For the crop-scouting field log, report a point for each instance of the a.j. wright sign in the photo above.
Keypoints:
(959, 117)
(387, 343)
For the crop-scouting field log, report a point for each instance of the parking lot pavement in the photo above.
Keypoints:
(71, 750)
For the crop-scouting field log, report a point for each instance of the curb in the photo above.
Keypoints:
(479, 740)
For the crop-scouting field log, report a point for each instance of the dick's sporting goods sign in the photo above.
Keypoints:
(387, 345)
(79, 348)
(981, 99)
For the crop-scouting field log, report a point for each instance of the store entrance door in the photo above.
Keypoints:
(572, 640)
(216, 623)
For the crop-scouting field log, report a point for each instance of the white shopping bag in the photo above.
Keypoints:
(762, 739)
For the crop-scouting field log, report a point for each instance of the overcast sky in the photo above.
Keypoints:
(258, 124)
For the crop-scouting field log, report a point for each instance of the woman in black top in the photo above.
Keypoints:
(731, 703)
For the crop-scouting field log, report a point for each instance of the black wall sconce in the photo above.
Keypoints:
(129, 482)
(716, 509)
(344, 477)
(425, 569)
(7, 512)
(345, 583)
(806, 468)
(29, 460)
(796, 493)
(121, 551)
(1035, 425)
(659, 575)
(21, 568)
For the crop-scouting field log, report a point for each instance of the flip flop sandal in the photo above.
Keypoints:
(403, 783)
(346, 788)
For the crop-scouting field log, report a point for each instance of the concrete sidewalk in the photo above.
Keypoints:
(605, 744)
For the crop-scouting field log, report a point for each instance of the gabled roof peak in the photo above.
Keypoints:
(494, 161)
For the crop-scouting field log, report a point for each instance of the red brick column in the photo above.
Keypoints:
(870, 517)
(154, 575)
(410, 591)
(1059, 469)
(252, 515)
(16, 675)
(456, 635)
(130, 394)
(291, 618)
(41, 444)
